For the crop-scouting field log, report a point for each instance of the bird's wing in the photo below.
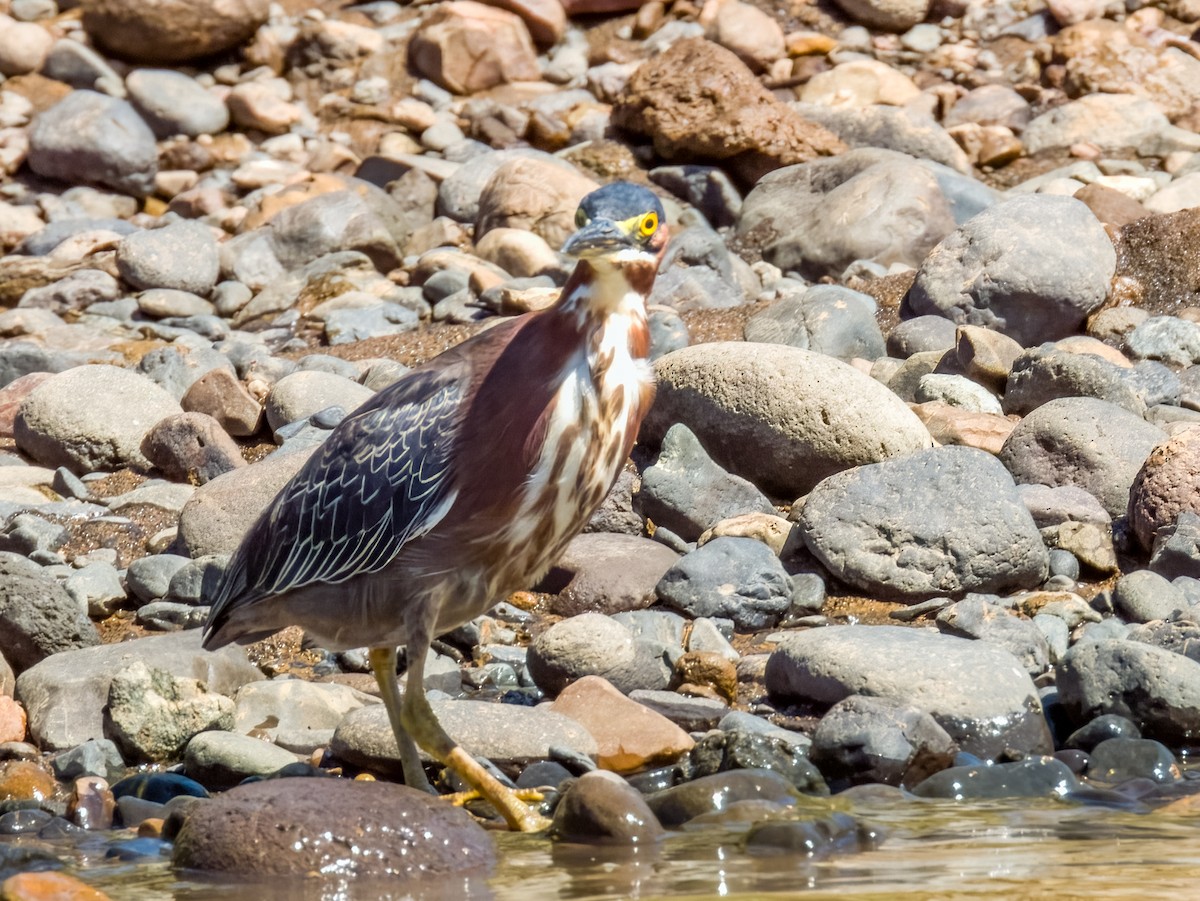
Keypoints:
(379, 480)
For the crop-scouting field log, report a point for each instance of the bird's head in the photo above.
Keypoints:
(619, 223)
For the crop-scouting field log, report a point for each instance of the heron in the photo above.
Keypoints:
(461, 483)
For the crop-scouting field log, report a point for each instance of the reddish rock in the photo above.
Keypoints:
(545, 19)
(11, 396)
(610, 573)
(191, 447)
(24, 780)
(221, 395)
(954, 425)
(467, 47)
(48, 887)
(698, 101)
(752, 34)
(629, 735)
(1167, 484)
(92, 803)
(12, 720)
(171, 31)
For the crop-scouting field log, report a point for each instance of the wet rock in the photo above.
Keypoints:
(95, 139)
(876, 740)
(1035, 777)
(467, 47)
(980, 275)
(1100, 729)
(675, 806)
(191, 447)
(594, 645)
(38, 617)
(610, 573)
(838, 833)
(781, 417)
(91, 804)
(1117, 760)
(65, 694)
(725, 115)
(828, 319)
(977, 692)
(38, 886)
(1084, 442)
(503, 733)
(91, 418)
(1165, 485)
(630, 737)
(736, 578)
(880, 527)
(24, 780)
(602, 808)
(1157, 689)
(220, 760)
(286, 827)
(171, 31)
(181, 255)
(745, 749)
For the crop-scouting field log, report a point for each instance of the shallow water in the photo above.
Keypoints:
(931, 850)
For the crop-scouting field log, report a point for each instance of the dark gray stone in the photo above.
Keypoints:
(1100, 729)
(1047, 372)
(921, 334)
(1118, 760)
(828, 319)
(675, 806)
(1143, 595)
(720, 752)
(38, 617)
(738, 578)
(1036, 777)
(602, 808)
(985, 621)
(609, 573)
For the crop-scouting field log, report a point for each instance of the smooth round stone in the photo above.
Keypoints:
(838, 833)
(602, 808)
(23, 822)
(162, 303)
(158, 788)
(676, 806)
(221, 760)
(1031, 778)
(1117, 760)
(174, 104)
(181, 255)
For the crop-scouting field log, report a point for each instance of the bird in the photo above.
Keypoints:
(461, 483)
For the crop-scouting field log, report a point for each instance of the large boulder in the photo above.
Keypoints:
(171, 31)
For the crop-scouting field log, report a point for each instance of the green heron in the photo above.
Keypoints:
(461, 483)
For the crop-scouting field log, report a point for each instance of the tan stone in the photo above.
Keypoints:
(533, 194)
(24, 780)
(1084, 344)
(518, 252)
(707, 673)
(986, 355)
(630, 736)
(165, 31)
(545, 19)
(262, 106)
(860, 83)
(954, 425)
(467, 47)
(12, 720)
(773, 531)
(749, 32)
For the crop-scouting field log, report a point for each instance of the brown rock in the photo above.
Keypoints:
(48, 887)
(545, 19)
(601, 807)
(954, 425)
(707, 669)
(698, 101)
(1111, 207)
(534, 194)
(986, 356)
(1167, 484)
(24, 780)
(771, 530)
(749, 32)
(630, 736)
(92, 804)
(467, 47)
(191, 447)
(12, 719)
(1156, 261)
(171, 31)
(610, 573)
(219, 394)
(298, 827)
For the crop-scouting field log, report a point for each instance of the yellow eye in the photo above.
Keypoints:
(581, 218)
(648, 225)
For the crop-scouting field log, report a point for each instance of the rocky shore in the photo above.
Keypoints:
(916, 513)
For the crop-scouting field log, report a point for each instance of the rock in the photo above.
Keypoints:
(505, 734)
(1158, 690)
(220, 760)
(735, 578)
(172, 103)
(92, 138)
(610, 573)
(750, 749)
(1084, 442)
(957, 391)
(792, 214)
(1035, 777)
(985, 621)
(1048, 372)
(1167, 339)
(282, 707)
(1101, 729)
(629, 736)
(38, 885)
(467, 47)
(688, 493)
(888, 15)
(171, 31)
(23, 46)
(361, 218)
(1166, 485)
(602, 808)
(1142, 596)
(828, 319)
(723, 115)
(752, 34)
(1118, 760)
(593, 645)
(264, 106)
(181, 255)
(91, 418)
(905, 130)
(676, 806)
(153, 714)
(65, 694)
(813, 838)
(38, 618)
(533, 194)
(941, 521)
(781, 417)
(692, 714)
(1108, 121)
(969, 687)
(191, 447)
(12, 720)
(298, 396)
(876, 740)
(97, 588)
(993, 271)
(219, 394)
(1176, 549)
(293, 827)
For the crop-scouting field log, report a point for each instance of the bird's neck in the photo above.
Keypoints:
(597, 292)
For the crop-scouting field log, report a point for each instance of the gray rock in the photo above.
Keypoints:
(97, 588)
(781, 417)
(979, 693)
(296, 827)
(94, 139)
(153, 715)
(737, 578)
(1109, 121)
(273, 707)
(1118, 760)
(219, 760)
(594, 645)
(692, 714)
(1032, 267)
(171, 303)
(751, 750)
(65, 694)
(75, 292)
(180, 255)
(668, 331)
(685, 491)
(1157, 689)
(957, 391)
(191, 447)
(982, 620)
(95, 757)
(676, 806)
(345, 326)
(149, 577)
(170, 616)
(1176, 549)
(459, 193)
(1143, 596)
(609, 573)
(298, 396)
(697, 273)
(76, 64)
(1036, 777)
(1101, 729)
(1047, 372)
(1166, 339)
(361, 218)
(174, 104)
(921, 334)
(32, 536)
(828, 319)
(505, 734)
(38, 617)
(893, 128)
(180, 365)
(1154, 383)
(942, 521)
(602, 808)
(706, 188)
(91, 418)
(1084, 442)
(1066, 503)
(877, 740)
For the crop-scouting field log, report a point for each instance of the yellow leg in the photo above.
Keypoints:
(383, 664)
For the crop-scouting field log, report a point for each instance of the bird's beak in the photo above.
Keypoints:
(598, 237)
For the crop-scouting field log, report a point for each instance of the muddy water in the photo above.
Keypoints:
(930, 850)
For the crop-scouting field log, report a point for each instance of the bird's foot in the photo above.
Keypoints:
(509, 803)
(519, 816)
(527, 795)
